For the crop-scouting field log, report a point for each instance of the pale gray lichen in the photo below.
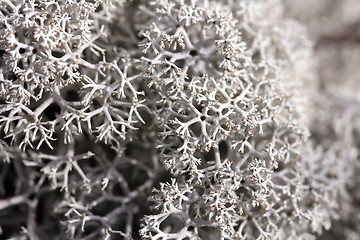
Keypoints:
(205, 103)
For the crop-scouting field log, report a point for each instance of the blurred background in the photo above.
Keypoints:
(334, 27)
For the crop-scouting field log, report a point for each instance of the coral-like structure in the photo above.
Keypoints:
(165, 119)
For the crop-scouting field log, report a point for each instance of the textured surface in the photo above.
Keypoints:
(175, 119)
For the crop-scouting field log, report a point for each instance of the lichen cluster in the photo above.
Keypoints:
(163, 119)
